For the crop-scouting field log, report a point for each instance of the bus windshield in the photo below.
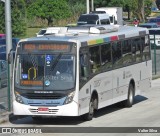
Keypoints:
(45, 71)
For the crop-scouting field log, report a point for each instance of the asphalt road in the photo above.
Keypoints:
(144, 113)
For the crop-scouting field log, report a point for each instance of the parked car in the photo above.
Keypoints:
(3, 52)
(3, 73)
(155, 20)
(41, 32)
(3, 47)
(149, 25)
(94, 18)
(2, 36)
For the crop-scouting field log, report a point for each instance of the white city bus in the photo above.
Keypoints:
(79, 70)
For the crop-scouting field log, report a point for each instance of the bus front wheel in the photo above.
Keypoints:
(88, 116)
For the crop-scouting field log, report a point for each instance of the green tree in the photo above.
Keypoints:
(101, 3)
(138, 8)
(18, 15)
(50, 10)
(2, 18)
(19, 25)
(147, 8)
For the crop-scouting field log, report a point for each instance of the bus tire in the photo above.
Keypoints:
(88, 116)
(130, 98)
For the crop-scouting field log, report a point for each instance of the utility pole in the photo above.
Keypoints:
(8, 44)
(88, 7)
(143, 16)
(92, 5)
(8, 26)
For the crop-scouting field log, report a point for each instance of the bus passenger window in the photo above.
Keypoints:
(117, 55)
(106, 56)
(146, 49)
(138, 50)
(94, 59)
(127, 54)
(84, 65)
(134, 50)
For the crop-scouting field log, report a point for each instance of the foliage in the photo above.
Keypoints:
(117, 3)
(43, 13)
(18, 13)
(147, 9)
(50, 10)
(158, 3)
(77, 10)
(2, 17)
(18, 17)
(138, 8)
(101, 3)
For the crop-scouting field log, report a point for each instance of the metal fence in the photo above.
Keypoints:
(3, 86)
(155, 55)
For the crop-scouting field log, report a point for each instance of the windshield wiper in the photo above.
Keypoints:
(55, 62)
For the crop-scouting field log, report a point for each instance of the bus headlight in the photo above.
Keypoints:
(69, 98)
(18, 98)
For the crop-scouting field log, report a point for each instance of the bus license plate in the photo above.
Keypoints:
(43, 109)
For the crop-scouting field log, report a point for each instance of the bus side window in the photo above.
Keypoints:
(106, 56)
(138, 50)
(134, 50)
(117, 55)
(146, 49)
(127, 54)
(84, 66)
(94, 59)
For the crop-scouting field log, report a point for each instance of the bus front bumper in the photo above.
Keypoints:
(64, 110)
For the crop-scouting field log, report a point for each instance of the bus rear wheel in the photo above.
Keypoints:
(130, 98)
(88, 116)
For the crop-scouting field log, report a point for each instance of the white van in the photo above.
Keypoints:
(94, 19)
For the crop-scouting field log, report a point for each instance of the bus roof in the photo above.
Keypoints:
(84, 33)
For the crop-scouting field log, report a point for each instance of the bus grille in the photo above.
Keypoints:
(42, 96)
(51, 111)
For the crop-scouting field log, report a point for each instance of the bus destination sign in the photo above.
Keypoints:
(45, 47)
(31, 82)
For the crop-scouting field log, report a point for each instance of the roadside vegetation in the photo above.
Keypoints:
(29, 16)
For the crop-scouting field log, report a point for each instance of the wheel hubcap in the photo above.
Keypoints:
(91, 109)
(131, 96)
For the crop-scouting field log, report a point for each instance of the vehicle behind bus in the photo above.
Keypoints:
(94, 19)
